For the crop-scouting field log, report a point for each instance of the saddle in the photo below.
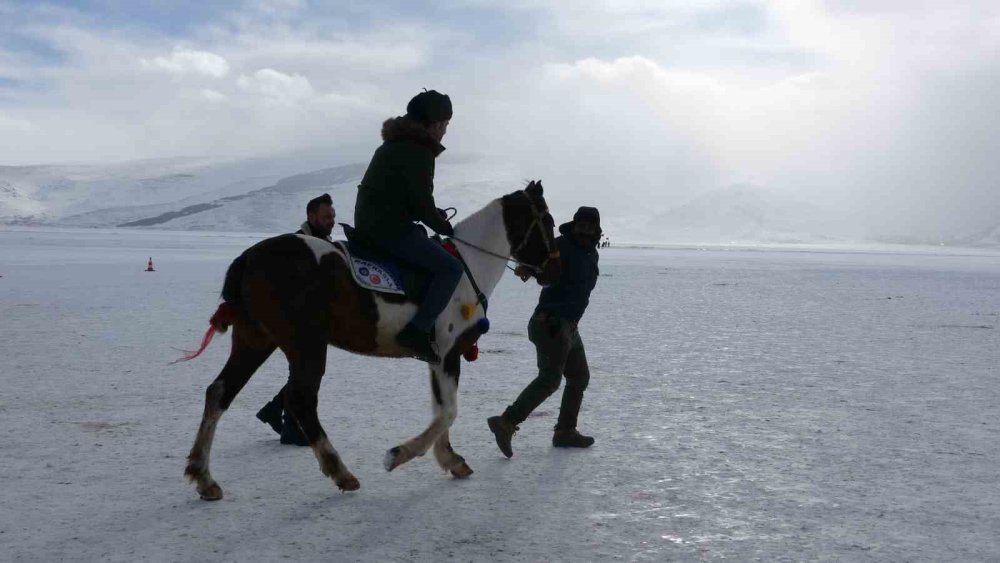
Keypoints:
(375, 270)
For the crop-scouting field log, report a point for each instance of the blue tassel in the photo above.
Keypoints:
(483, 325)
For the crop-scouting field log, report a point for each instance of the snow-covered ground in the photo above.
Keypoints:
(747, 404)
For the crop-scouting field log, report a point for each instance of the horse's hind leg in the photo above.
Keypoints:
(307, 363)
(444, 391)
(250, 349)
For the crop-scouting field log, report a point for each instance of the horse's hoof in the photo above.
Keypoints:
(349, 483)
(211, 493)
(463, 471)
(394, 458)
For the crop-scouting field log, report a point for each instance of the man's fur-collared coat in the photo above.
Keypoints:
(398, 187)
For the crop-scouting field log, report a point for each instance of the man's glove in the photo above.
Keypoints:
(447, 230)
(443, 213)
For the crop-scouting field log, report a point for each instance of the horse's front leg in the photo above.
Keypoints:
(448, 459)
(444, 396)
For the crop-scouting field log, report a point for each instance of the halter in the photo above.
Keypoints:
(536, 222)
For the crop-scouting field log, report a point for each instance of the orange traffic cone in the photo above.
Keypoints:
(149, 265)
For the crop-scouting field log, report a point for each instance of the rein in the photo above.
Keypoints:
(480, 296)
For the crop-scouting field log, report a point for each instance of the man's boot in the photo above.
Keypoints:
(503, 431)
(271, 414)
(570, 438)
(418, 342)
(291, 435)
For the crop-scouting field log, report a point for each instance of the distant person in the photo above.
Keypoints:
(553, 331)
(396, 191)
(320, 219)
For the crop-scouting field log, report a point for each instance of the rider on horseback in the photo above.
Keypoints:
(397, 190)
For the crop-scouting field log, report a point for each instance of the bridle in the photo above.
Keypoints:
(537, 222)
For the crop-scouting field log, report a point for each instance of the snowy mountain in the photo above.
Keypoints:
(268, 195)
(258, 195)
(53, 193)
(747, 214)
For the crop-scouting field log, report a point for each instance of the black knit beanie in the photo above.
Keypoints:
(428, 107)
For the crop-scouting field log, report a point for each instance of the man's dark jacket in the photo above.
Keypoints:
(570, 296)
(398, 187)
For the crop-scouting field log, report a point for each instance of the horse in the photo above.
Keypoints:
(297, 293)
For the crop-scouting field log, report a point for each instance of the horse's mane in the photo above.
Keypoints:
(483, 209)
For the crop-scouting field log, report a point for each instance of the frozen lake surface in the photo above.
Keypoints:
(747, 404)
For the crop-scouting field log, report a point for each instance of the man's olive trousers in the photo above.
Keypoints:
(560, 353)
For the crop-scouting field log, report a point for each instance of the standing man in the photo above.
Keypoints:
(320, 219)
(553, 331)
(396, 191)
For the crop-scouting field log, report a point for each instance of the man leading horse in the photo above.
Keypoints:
(558, 346)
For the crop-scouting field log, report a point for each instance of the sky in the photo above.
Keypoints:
(885, 111)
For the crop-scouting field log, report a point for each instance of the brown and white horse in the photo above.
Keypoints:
(297, 293)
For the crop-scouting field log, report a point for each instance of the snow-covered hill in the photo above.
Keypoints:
(268, 195)
(748, 214)
(263, 195)
(104, 194)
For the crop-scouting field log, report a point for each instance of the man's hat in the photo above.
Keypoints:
(585, 219)
(429, 106)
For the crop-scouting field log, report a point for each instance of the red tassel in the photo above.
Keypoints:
(221, 320)
(224, 317)
(472, 353)
(205, 341)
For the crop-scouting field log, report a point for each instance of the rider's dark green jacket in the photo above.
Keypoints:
(398, 187)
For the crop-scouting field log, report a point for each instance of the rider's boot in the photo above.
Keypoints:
(418, 343)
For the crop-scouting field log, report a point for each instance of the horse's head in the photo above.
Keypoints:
(530, 233)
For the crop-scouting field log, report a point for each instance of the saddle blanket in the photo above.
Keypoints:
(376, 275)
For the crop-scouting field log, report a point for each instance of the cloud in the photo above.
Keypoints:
(15, 126)
(277, 87)
(187, 61)
(365, 55)
(882, 109)
(212, 96)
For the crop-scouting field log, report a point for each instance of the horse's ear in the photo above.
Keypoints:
(534, 187)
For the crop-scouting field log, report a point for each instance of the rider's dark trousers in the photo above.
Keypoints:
(560, 353)
(415, 249)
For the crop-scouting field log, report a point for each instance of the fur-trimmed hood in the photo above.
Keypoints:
(405, 129)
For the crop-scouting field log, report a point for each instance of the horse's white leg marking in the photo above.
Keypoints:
(329, 459)
(198, 460)
(330, 463)
(444, 416)
(444, 454)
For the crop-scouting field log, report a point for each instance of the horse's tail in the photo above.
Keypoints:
(232, 288)
(227, 312)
